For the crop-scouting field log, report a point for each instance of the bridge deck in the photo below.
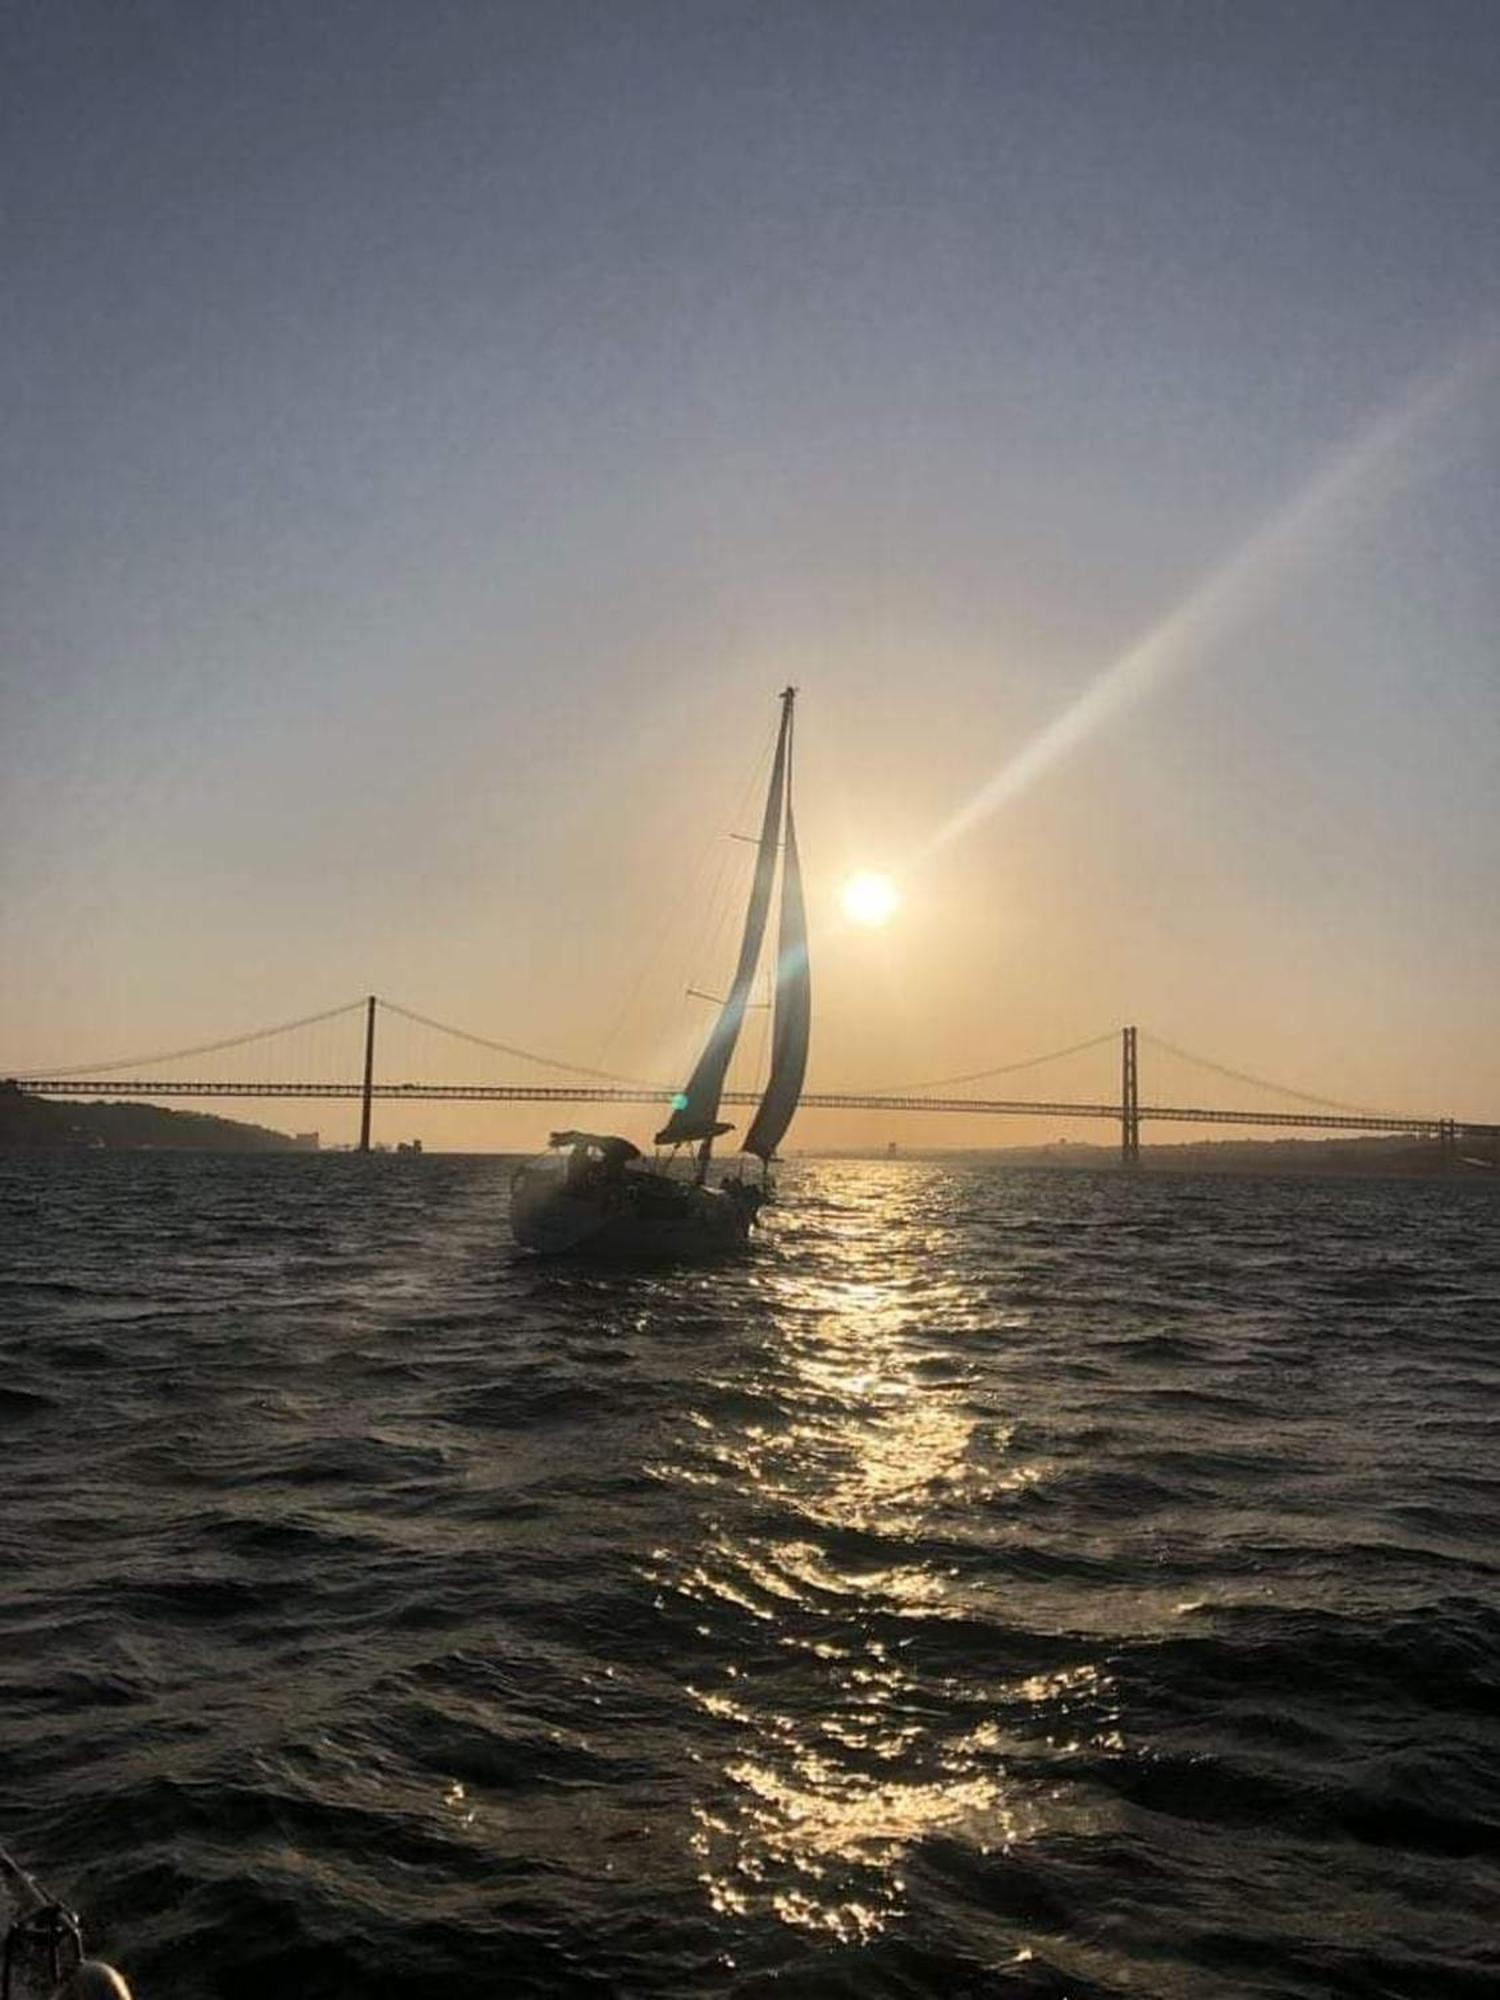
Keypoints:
(544, 1093)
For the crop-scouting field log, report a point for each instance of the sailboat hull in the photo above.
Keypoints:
(638, 1217)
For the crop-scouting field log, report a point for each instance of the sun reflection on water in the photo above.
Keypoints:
(830, 1507)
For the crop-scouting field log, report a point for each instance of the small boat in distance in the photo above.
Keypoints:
(594, 1195)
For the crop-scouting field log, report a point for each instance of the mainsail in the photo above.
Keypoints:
(695, 1113)
(793, 1016)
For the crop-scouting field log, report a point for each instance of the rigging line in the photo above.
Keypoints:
(524, 1055)
(1004, 1069)
(716, 936)
(670, 913)
(200, 1049)
(1260, 1082)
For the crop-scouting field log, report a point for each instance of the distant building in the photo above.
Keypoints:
(305, 1142)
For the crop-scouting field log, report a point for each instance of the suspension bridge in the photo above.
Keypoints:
(357, 1025)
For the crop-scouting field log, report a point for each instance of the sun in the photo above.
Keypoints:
(870, 899)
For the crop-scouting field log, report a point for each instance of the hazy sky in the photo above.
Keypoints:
(435, 429)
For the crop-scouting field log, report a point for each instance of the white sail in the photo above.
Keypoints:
(695, 1112)
(792, 1020)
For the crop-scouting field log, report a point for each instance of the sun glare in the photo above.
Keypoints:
(870, 899)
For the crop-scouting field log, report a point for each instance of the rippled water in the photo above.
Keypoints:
(1000, 1584)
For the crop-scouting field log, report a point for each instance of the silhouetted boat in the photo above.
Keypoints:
(594, 1195)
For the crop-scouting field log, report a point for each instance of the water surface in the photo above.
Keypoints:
(1003, 1583)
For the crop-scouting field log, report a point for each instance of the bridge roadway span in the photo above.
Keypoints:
(815, 1100)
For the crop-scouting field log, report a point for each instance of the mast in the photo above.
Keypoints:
(695, 1110)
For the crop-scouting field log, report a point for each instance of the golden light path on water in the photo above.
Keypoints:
(881, 1450)
(1357, 480)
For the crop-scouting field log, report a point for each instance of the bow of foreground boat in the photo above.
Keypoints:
(41, 1946)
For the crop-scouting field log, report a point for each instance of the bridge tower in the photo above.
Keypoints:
(368, 1090)
(1130, 1102)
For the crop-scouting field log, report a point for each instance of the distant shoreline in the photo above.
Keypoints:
(36, 1125)
(1393, 1157)
(31, 1124)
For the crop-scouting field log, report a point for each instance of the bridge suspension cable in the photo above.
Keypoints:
(1005, 1069)
(199, 1048)
(523, 1055)
(1259, 1082)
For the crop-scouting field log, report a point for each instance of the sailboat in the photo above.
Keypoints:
(594, 1194)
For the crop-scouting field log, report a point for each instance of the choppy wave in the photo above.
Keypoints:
(1002, 1584)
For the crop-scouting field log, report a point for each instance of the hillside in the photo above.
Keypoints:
(35, 1124)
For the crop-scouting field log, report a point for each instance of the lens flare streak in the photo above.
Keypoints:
(1355, 482)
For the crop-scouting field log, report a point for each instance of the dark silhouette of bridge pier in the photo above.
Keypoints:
(124, 1078)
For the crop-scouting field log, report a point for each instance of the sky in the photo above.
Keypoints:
(434, 434)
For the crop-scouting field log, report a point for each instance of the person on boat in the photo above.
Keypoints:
(746, 1192)
(595, 1160)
